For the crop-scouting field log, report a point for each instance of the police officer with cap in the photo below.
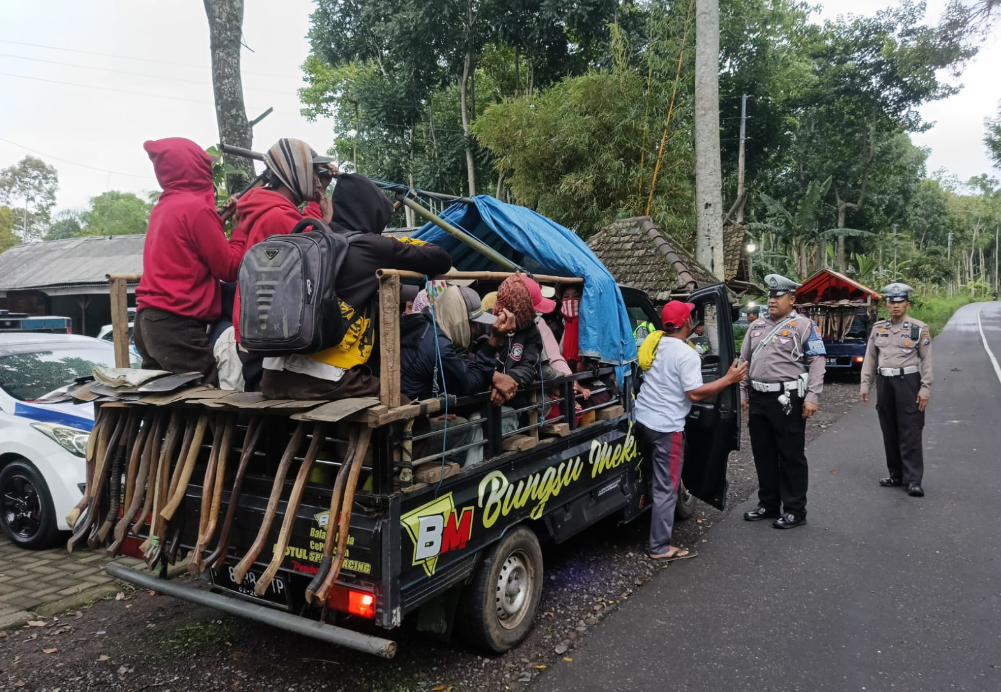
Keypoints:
(786, 358)
(899, 350)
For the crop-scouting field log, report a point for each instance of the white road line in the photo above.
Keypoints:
(990, 354)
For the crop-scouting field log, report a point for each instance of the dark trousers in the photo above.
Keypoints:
(285, 384)
(778, 442)
(902, 423)
(174, 343)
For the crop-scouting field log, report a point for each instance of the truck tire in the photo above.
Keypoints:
(499, 605)
(686, 504)
(27, 516)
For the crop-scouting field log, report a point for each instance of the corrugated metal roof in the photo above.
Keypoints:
(72, 262)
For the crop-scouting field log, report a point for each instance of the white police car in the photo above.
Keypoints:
(43, 441)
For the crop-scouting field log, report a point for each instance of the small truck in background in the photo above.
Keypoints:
(844, 312)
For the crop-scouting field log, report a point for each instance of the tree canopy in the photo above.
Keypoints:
(29, 189)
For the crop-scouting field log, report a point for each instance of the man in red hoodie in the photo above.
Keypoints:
(185, 256)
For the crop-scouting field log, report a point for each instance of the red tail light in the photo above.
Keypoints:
(859, 359)
(360, 603)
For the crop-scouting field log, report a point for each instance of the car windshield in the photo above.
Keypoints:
(30, 376)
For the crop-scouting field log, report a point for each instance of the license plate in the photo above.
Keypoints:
(276, 594)
(832, 361)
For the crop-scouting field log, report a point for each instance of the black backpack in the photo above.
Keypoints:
(288, 303)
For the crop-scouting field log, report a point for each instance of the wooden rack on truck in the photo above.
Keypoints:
(341, 519)
(844, 311)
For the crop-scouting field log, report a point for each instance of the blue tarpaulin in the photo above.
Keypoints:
(522, 235)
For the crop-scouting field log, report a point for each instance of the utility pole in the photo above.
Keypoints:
(996, 259)
(948, 251)
(708, 177)
(740, 159)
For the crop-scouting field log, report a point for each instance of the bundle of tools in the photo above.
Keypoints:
(834, 320)
(154, 452)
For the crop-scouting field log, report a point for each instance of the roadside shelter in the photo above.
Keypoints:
(640, 254)
(69, 278)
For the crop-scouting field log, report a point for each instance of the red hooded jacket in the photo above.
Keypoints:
(265, 213)
(186, 253)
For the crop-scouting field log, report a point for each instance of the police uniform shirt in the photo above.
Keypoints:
(898, 345)
(796, 348)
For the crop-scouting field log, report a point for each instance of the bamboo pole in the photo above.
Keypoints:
(478, 276)
(670, 109)
(460, 235)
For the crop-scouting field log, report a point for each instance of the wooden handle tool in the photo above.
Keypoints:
(269, 514)
(291, 508)
(218, 557)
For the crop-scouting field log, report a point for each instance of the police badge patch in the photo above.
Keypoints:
(517, 350)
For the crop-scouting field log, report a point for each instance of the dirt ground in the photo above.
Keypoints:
(149, 642)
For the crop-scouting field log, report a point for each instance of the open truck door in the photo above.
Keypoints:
(712, 430)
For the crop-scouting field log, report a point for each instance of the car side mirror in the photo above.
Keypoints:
(734, 313)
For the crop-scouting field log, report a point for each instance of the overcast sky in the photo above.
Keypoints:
(83, 84)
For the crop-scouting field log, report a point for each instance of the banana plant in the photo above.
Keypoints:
(800, 230)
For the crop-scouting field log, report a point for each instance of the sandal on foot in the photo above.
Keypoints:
(679, 554)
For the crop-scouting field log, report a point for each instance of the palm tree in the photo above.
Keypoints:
(800, 233)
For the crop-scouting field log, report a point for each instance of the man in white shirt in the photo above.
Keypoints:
(672, 382)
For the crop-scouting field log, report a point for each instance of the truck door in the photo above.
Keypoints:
(712, 430)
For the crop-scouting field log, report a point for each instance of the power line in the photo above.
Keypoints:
(74, 163)
(104, 88)
(134, 74)
(127, 57)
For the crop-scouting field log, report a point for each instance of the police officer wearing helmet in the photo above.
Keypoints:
(785, 378)
(899, 350)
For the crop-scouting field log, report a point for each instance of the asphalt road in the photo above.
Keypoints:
(879, 591)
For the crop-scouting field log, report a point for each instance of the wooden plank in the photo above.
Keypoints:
(556, 429)
(119, 291)
(610, 412)
(518, 443)
(337, 410)
(433, 473)
(173, 397)
(385, 415)
(389, 340)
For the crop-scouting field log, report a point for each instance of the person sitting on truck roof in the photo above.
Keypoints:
(343, 371)
(185, 256)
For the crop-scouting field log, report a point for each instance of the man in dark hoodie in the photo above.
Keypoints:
(185, 256)
(361, 210)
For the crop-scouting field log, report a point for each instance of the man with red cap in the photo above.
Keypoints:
(672, 381)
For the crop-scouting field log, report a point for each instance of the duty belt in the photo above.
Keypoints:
(897, 372)
(775, 386)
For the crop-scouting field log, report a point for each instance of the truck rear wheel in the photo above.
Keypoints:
(686, 504)
(499, 605)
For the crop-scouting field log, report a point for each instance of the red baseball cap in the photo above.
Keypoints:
(675, 313)
(542, 305)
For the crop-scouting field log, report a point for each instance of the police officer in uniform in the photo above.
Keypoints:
(899, 350)
(786, 358)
